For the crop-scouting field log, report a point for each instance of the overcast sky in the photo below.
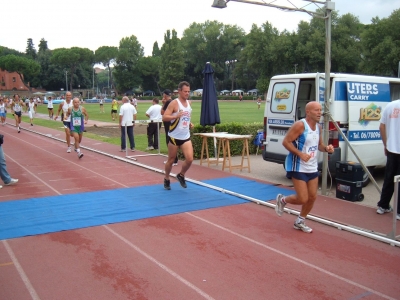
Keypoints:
(91, 24)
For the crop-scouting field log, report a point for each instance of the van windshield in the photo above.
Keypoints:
(282, 97)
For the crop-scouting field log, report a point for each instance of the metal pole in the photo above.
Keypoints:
(328, 23)
(66, 81)
(395, 204)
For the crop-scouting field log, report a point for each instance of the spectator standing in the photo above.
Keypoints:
(153, 129)
(50, 107)
(127, 116)
(114, 109)
(259, 102)
(134, 102)
(166, 101)
(101, 102)
(389, 129)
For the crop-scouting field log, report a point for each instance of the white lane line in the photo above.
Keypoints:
(62, 158)
(162, 266)
(21, 272)
(294, 258)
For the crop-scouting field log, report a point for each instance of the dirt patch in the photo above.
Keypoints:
(113, 131)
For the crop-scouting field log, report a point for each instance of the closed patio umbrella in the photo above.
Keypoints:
(209, 102)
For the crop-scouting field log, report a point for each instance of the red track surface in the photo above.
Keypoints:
(236, 252)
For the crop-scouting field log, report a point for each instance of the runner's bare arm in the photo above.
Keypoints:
(293, 133)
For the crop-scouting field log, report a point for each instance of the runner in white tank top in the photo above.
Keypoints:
(179, 113)
(64, 106)
(16, 108)
(303, 140)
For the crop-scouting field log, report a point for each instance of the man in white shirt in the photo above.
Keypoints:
(389, 128)
(127, 116)
(153, 130)
(50, 107)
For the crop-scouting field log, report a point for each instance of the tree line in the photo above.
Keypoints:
(240, 60)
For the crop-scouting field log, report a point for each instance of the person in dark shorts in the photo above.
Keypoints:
(78, 116)
(303, 141)
(179, 114)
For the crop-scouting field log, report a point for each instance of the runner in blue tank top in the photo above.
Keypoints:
(303, 141)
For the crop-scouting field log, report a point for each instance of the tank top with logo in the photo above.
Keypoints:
(179, 128)
(307, 142)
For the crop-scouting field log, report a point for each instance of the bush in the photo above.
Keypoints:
(234, 128)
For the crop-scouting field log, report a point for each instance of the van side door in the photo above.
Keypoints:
(279, 116)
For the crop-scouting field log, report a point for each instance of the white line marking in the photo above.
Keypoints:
(21, 272)
(293, 258)
(165, 268)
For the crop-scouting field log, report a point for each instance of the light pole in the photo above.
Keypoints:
(231, 64)
(66, 81)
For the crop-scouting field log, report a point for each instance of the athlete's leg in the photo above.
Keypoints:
(172, 151)
(187, 150)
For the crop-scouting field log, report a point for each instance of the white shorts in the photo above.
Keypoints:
(30, 114)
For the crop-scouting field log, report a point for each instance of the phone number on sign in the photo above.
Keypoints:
(365, 135)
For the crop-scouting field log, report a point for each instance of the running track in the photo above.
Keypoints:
(235, 252)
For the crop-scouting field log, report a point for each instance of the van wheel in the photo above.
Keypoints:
(366, 179)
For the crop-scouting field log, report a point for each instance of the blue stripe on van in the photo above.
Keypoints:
(280, 122)
(362, 91)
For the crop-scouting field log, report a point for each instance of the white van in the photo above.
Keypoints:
(355, 103)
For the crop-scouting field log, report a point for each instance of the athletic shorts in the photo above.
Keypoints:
(3, 115)
(50, 108)
(302, 176)
(114, 111)
(67, 124)
(101, 104)
(177, 142)
(17, 113)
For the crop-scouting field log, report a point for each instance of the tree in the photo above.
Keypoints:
(172, 63)
(30, 49)
(25, 67)
(381, 46)
(150, 68)
(71, 59)
(43, 46)
(126, 70)
(212, 42)
(106, 55)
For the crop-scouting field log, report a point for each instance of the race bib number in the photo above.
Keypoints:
(76, 121)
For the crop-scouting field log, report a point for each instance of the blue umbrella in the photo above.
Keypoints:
(209, 102)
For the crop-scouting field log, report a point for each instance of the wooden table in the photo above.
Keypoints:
(224, 139)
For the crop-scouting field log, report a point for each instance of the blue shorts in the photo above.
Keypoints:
(302, 176)
(3, 115)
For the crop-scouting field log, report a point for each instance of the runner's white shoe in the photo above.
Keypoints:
(69, 150)
(302, 226)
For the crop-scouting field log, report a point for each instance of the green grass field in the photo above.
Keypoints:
(230, 111)
(244, 112)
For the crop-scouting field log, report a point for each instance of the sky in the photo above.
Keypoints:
(92, 24)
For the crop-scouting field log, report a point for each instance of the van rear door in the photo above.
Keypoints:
(279, 116)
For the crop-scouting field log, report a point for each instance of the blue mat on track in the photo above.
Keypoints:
(56, 213)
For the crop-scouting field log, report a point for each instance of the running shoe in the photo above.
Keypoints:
(1, 186)
(181, 179)
(398, 217)
(19, 129)
(279, 205)
(133, 149)
(150, 148)
(122, 150)
(12, 181)
(382, 211)
(167, 184)
(80, 155)
(302, 226)
(69, 150)
(31, 124)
